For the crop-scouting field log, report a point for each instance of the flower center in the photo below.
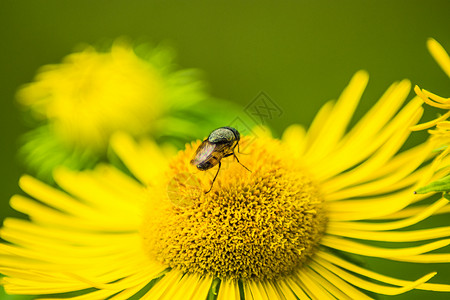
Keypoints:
(260, 224)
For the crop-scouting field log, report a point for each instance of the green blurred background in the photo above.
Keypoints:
(301, 53)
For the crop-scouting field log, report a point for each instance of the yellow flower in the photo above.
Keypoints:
(78, 104)
(92, 94)
(441, 131)
(274, 233)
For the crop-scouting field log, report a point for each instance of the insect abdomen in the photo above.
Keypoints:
(211, 162)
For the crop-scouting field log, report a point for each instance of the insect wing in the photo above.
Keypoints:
(206, 151)
(203, 153)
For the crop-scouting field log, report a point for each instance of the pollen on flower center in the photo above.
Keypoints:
(260, 225)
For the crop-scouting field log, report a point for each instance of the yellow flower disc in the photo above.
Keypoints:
(260, 224)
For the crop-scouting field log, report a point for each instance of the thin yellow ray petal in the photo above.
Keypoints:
(396, 236)
(334, 127)
(26, 259)
(373, 287)
(227, 290)
(440, 157)
(86, 271)
(121, 184)
(426, 258)
(54, 197)
(45, 215)
(56, 249)
(190, 287)
(379, 277)
(435, 97)
(23, 263)
(283, 289)
(29, 240)
(247, 291)
(381, 113)
(129, 292)
(361, 204)
(100, 294)
(443, 125)
(338, 282)
(84, 186)
(377, 160)
(17, 252)
(326, 284)
(142, 277)
(118, 179)
(184, 289)
(422, 215)
(127, 278)
(107, 269)
(271, 291)
(162, 287)
(57, 235)
(317, 124)
(396, 172)
(377, 207)
(396, 177)
(150, 274)
(297, 288)
(35, 234)
(28, 274)
(120, 277)
(430, 102)
(120, 197)
(420, 152)
(434, 100)
(360, 140)
(136, 271)
(145, 161)
(29, 278)
(372, 187)
(15, 289)
(366, 250)
(361, 149)
(431, 123)
(257, 290)
(18, 283)
(439, 54)
(313, 289)
(203, 286)
(294, 137)
(411, 211)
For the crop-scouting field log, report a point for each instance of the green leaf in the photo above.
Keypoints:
(5, 296)
(214, 289)
(441, 185)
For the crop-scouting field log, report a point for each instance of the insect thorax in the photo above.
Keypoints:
(224, 134)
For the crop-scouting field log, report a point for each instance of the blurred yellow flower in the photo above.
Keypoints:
(93, 94)
(78, 104)
(274, 233)
(441, 132)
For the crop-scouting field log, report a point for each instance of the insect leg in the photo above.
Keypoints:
(220, 164)
(239, 151)
(240, 162)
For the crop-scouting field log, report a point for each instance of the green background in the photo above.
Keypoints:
(301, 53)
